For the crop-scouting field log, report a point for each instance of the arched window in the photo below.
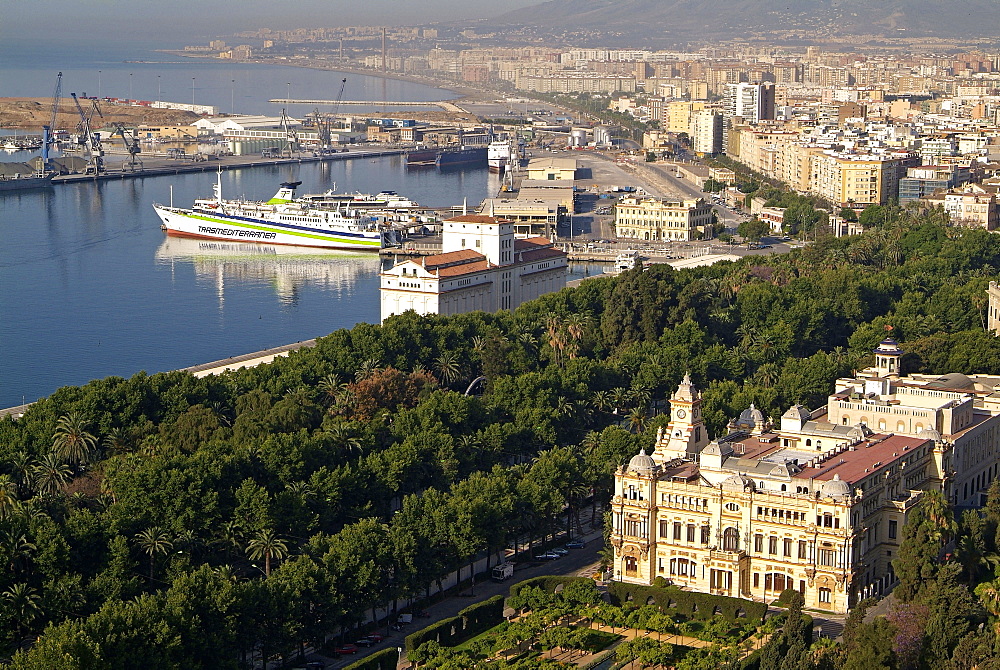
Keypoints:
(809, 443)
(784, 488)
(730, 539)
(631, 566)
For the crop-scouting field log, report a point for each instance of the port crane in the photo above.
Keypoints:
(134, 164)
(291, 136)
(324, 122)
(88, 139)
(48, 132)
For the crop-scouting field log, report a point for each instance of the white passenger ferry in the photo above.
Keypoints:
(281, 220)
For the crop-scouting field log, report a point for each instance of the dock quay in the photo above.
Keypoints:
(169, 166)
(583, 252)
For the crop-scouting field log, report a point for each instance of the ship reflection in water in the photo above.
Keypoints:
(285, 268)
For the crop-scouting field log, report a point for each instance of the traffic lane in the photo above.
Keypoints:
(575, 562)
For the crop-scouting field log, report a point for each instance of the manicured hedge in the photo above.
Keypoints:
(381, 660)
(548, 583)
(686, 603)
(470, 622)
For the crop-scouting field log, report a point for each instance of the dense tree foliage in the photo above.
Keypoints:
(134, 511)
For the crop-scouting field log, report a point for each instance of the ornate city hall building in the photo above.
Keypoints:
(815, 502)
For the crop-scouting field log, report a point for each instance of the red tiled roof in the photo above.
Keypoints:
(451, 258)
(462, 269)
(539, 255)
(853, 466)
(531, 243)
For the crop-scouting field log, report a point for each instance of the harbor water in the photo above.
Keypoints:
(91, 287)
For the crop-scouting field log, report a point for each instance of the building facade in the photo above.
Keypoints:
(815, 502)
(482, 267)
(655, 219)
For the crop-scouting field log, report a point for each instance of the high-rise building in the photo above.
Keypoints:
(751, 102)
(706, 132)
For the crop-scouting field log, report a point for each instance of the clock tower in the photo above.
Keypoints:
(686, 433)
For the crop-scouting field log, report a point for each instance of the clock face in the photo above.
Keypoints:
(681, 414)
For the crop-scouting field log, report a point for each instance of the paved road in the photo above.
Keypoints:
(577, 561)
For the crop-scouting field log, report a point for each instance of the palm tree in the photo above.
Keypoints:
(330, 387)
(23, 464)
(267, 545)
(8, 496)
(342, 437)
(117, 441)
(637, 419)
(16, 546)
(153, 541)
(23, 603)
(72, 441)
(447, 367)
(49, 474)
(366, 369)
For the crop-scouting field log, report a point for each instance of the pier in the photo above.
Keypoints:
(168, 166)
(443, 104)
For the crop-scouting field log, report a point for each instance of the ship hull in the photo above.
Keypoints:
(469, 156)
(25, 183)
(196, 225)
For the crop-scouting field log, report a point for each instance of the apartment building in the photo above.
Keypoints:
(706, 132)
(815, 502)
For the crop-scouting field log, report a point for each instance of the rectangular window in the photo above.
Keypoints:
(827, 557)
(772, 545)
(802, 549)
(758, 543)
(677, 531)
(706, 533)
(756, 580)
(786, 547)
(892, 529)
(664, 530)
(690, 536)
(824, 595)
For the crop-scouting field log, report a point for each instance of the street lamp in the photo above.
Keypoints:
(288, 91)
(192, 90)
(130, 86)
(157, 88)
(232, 96)
(98, 83)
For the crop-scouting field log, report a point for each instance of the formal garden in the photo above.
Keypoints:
(567, 622)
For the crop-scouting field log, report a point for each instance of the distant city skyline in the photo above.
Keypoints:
(184, 20)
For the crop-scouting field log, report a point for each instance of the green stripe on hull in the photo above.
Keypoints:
(241, 224)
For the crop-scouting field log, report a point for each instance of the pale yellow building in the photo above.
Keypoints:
(815, 502)
(656, 219)
(548, 168)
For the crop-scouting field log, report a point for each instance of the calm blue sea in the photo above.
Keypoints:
(90, 286)
(137, 71)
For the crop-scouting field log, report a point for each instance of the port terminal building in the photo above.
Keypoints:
(482, 267)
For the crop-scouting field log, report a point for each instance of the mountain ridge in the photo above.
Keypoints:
(690, 19)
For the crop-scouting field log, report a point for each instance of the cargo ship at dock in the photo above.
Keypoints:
(469, 156)
(281, 220)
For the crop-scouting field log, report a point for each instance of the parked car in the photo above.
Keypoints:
(375, 637)
(576, 544)
(365, 642)
(345, 649)
(562, 551)
(547, 556)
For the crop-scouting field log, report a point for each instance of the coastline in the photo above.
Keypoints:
(461, 92)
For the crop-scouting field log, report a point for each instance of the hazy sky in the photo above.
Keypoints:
(179, 19)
